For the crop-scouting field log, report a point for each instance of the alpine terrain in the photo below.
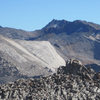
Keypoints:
(21, 58)
(71, 82)
(35, 65)
(78, 39)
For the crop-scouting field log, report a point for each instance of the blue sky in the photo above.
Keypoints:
(35, 14)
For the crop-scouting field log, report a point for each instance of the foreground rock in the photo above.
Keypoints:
(71, 82)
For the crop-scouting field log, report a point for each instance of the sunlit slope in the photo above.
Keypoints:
(32, 58)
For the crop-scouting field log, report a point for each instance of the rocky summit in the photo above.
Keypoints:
(71, 82)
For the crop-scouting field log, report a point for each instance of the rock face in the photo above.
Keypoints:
(71, 82)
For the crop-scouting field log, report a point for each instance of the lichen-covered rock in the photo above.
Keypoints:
(71, 82)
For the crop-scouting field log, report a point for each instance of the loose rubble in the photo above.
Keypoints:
(71, 82)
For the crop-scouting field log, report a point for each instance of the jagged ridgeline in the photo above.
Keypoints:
(71, 82)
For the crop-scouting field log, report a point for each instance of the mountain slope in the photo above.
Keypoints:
(30, 58)
(77, 39)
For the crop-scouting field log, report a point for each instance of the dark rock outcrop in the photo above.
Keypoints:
(75, 67)
(61, 26)
(71, 82)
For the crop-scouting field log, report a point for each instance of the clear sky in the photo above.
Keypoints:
(35, 14)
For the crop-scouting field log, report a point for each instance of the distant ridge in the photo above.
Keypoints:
(72, 39)
(59, 26)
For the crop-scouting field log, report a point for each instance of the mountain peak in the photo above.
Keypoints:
(0, 26)
(55, 23)
(63, 26)
(80, 21)
(55, 20)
